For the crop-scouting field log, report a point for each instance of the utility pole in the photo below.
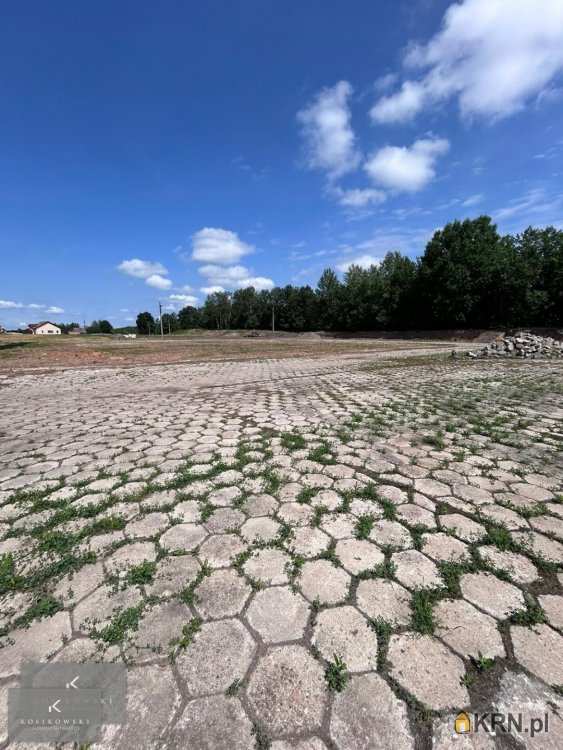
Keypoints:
(160, 315)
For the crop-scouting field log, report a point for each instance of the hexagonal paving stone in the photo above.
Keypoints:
(386, 599)
(99, 608)
(296, 514)
(159, 627)
(35, 643)
(172, 575)
(517, 566)
(222, 594)
(150, 685)
(212, 723)
(552, 605)
(78, 584)
(431, 487)
(278, 614)
(220, 653)
(392, 534)
(467, 631)
(345, 632)
(224, 519)
(187, 511)
(262, 528)
(497, 598)
(540, 545)
(470, 494)
(368, 716)
(287, 691)
(444, 548)
(444, 736)
(147, 526)
(261, 505)
(220, 550)
(311, 743)
(183, 536)
(415, 570)
(268, 565)
(540, 651)
(532, 491)
(416, 516)
(323, 581)
(225, 496)
(357, 555)
(308, 541)
(463, 527)
(428, 670)
(339, 525)
(129, 556)
(522, 695)
(504, 516)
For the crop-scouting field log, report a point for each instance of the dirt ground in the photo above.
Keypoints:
(23, 353)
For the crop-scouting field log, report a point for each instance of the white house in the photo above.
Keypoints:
(44, 328)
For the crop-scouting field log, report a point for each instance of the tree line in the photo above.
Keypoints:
(469, 276)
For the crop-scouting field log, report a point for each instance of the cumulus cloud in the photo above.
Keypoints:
(213, 245)
(491, 55)
(329, 138)
(184, 299)
(401, 106)
(232, 277)
(364, 261)
(6, 304)
(359, 197)
(404, 168)
(260, 283)
(211, 289)
(158, 282)
(142, 269)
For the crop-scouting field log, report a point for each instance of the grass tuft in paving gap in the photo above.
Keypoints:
(364, 525)
(383, 632)
(188, 632)
(422, 604)
(336, 674)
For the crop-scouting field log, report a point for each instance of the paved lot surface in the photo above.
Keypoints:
(297, 554)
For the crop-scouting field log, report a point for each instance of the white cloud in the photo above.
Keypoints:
(364, 261)
(158, 281)
(212, 245)
(221, 275)
(185, 299)
(399, 107)
(260, 283)
(359, 197)
(405, 168)
(383, 83)
(534, 202)
(142, 269)
(473, 200)
(491, 55)
(11, 305)
(329, 138)
(232, 277)
(211, 289)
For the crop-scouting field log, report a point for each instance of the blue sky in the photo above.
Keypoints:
(156, 151)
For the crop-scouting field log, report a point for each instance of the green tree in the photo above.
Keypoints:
(329, 295)
(145, 323)
(189, 317)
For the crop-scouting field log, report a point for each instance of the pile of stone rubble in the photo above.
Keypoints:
(523, 344)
